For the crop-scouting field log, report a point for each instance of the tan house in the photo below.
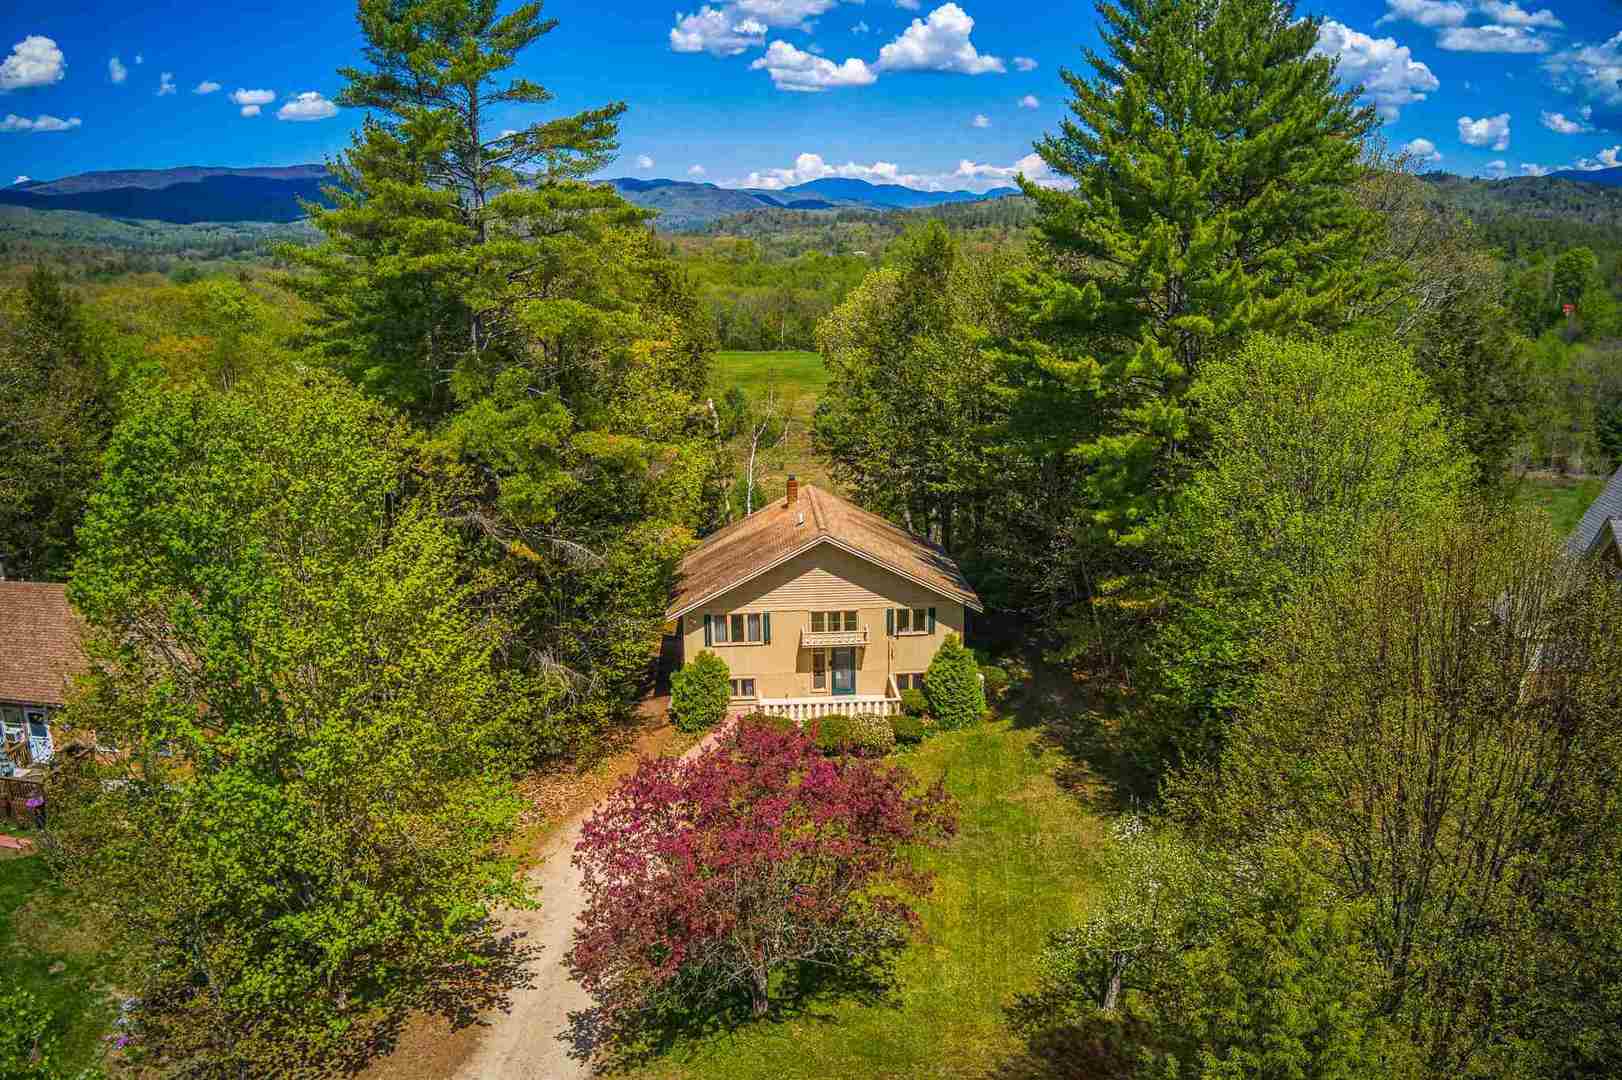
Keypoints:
(818, 606)
(40, 654)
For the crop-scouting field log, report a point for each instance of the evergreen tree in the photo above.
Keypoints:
(1214, 160)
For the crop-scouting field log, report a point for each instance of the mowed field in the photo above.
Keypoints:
(798, 379)
(1563, 498)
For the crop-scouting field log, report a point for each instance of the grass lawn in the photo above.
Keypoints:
(799, 378)
(789, 372)
(1563, 499)
(38, 932)
(1023, 864)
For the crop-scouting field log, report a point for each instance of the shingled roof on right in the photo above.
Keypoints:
(1597, 518)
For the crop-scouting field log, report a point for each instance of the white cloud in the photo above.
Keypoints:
(1512, 14)
(1488, 131)
(697, 170)
(22, 180)
(13, 122)
(207, 86)
(1531, 169)
(910, 5)
(792, 13)
(1423, 150)
(251, 110)
(1592, 71)
(1605, 159)
(1425, 12)
(861, 27)
(309, 105)
(166, 83)
(1025, 63)
(981, 120)
(34, 61)
(798, 70)
(1391, 77)
(1563, 124)
(968, 175)
(643, 161)
(938, 43)
(116, 70)
(252, 97)
(1030, 101)
(1491, 39)
(717, 31)
(1498, 168)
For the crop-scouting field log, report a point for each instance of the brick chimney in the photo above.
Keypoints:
(793, 490)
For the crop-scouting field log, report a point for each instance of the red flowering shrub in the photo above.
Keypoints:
(759, 855)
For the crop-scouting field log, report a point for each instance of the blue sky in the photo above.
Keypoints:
(772, 92)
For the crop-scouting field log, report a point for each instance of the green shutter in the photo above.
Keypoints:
(709, 638)
(766, 628)
(931, 620)
(889, 622)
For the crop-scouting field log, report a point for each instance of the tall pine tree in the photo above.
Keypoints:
(1213, 158)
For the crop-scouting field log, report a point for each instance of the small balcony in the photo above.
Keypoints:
(825, 639)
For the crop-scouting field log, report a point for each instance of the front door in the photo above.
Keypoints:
(843, 663)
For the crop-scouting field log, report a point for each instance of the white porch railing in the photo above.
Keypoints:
(822, 639)
(803, 709)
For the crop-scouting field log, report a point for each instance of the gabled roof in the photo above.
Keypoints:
(1594, 527)
(771, 536)
(39, 643)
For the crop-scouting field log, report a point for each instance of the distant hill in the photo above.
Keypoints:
(183, 196)
(685, 205)
(1603, 177)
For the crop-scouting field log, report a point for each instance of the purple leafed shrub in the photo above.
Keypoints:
(708, 876)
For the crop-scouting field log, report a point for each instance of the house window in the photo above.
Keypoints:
(743, 688)
(12, 720)
(819, 669)
(743, 629)
(911, 680)
(834, 621)
(913, 620)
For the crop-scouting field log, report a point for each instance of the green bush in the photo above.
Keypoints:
(913, 702)
(769, 721)
(700, 692)
(909, 729)
(996, 682)
(833, 733)
(871, 735)
(952, 685)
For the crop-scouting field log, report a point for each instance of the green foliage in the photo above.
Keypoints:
(952, 684)
(1476, 894)
(308, 823)
(996, 682)
(700, 691)
(910, 728)
(871, 735)
(1309, 443)
(832, 733)
(1156, 268)
(54, 417)
(29, 1043)
(770, 721)
(913, 702)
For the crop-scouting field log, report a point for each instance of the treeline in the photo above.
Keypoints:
(354, 548)
(1232, 437)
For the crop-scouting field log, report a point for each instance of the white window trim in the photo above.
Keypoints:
(716, 617)
(737, 682)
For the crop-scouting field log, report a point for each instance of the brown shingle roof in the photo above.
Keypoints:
(777, 533)
(39, 643)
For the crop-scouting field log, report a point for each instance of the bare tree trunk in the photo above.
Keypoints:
(1112, 991)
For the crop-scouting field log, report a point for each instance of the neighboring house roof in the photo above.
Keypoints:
(39, 643)
(1595, 528)
(771, 536)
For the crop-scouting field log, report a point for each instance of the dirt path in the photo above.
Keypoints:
(548, 1029)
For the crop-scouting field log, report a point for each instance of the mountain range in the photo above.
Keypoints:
(197, 193)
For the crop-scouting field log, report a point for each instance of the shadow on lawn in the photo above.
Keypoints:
(806, 993)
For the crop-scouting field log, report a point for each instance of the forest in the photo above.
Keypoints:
(1286, 746)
